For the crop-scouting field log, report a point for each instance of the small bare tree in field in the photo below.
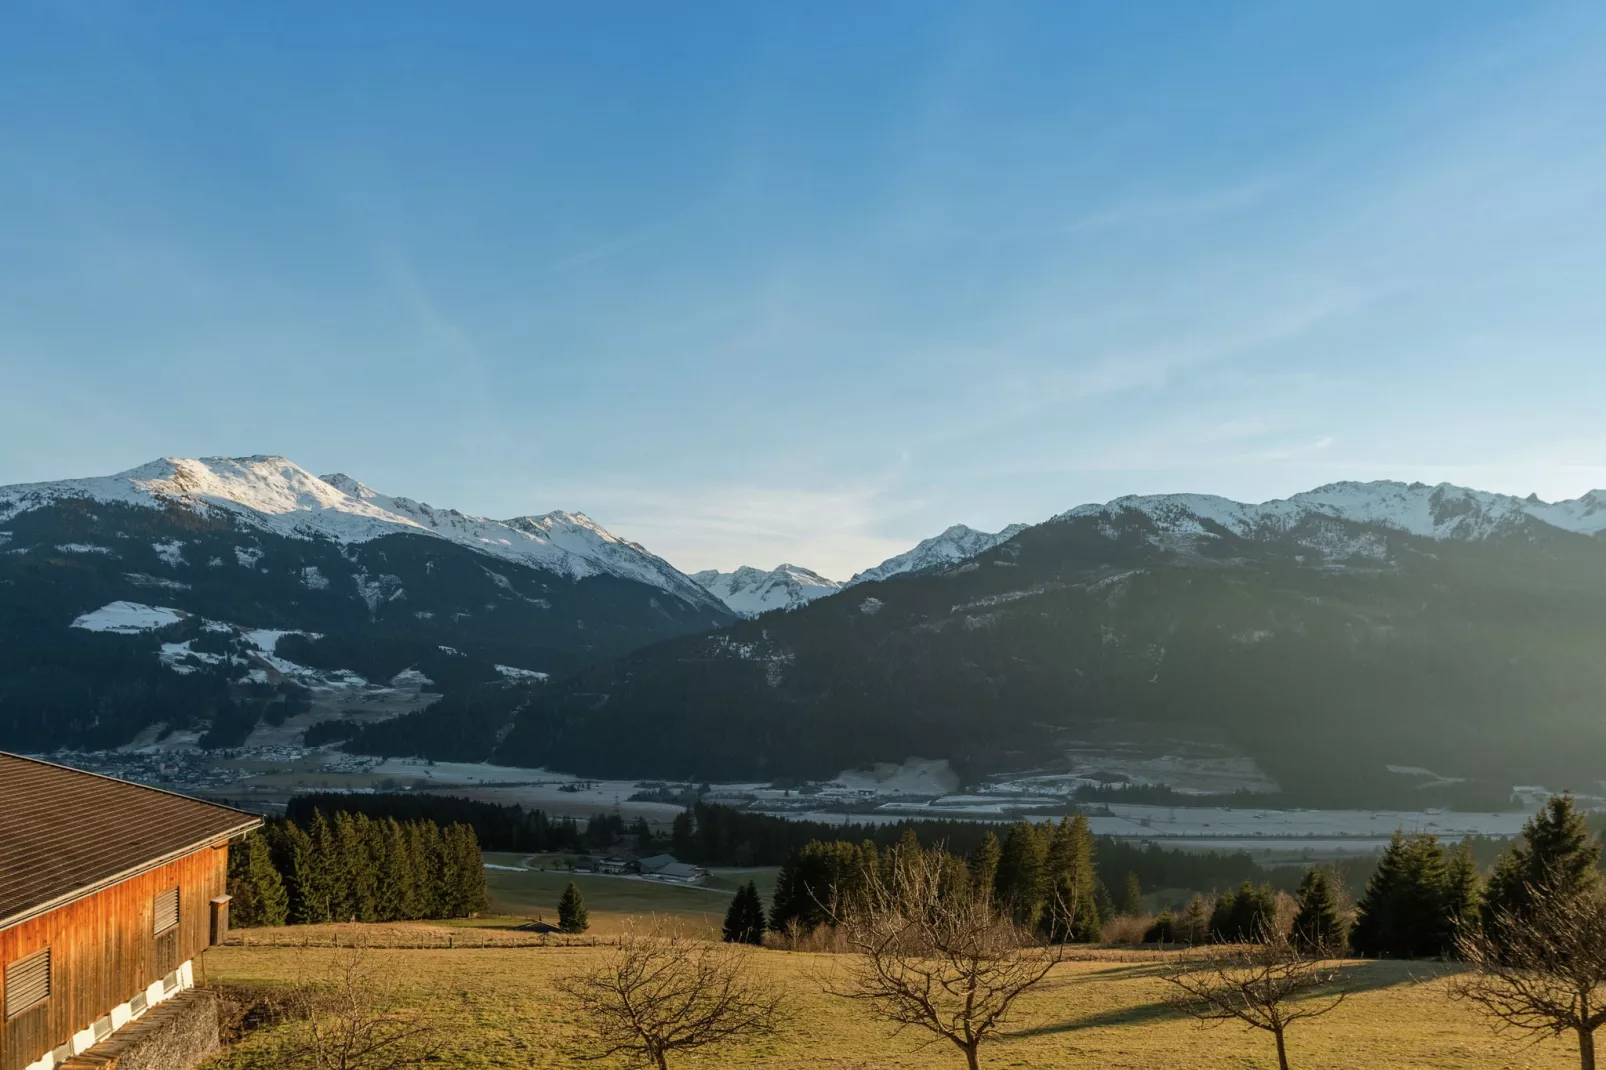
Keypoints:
(344, 1015)
(1268, 986)
(663, 991)
(1542, 971)
(936, 958)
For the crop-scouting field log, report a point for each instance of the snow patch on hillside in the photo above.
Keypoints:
(127, 618)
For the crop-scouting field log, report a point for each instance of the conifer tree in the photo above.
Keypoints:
(682, 840)
(308, 879)
(472, 896)
(1019, 881)
(258, 890)
(744, 921)
(984, 862)
(1556, 853)
(1132, 896)
(786, 904)
(1408, 909)
(350, 843)
(1195, 928)
(1072, 907)
(1317, 926)
(394, 873)
(1249, 914)
(1463, 895)
(572, 914)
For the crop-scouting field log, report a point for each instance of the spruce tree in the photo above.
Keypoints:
(1410, 905)
(572, 915)
(351, 843)
(1132, 896)
(1556, 853)
(1019, 882)
(682, 841)
(308, 880)
(1245, 915)
(1463, 896)
(786, 904)
(258, 890)
(472, 895)
(744, 921)
(390, 889)
(984, 862)
(1317, 926)
(1196, 922)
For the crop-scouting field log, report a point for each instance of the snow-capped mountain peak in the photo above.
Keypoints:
(1444, 511)
(274, 494)
(750, 591)
(954, 545)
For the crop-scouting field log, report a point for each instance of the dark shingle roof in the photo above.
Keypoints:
(65, 833)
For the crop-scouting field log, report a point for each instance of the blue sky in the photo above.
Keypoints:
(763, 282)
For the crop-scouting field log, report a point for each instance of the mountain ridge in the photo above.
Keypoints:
(750, 591)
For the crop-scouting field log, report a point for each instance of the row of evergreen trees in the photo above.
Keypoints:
(355, 868)
(1044, 878)
(1422, 894)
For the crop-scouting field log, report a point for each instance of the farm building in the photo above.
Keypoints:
(664, 867)
(108, 893)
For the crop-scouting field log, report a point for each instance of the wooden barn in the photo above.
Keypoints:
(108, 892)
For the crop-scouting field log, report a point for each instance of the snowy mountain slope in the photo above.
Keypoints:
(276, 495)
(956, 544)
(1439, 512)
(751, 591)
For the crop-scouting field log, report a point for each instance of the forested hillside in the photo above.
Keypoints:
(1324, 648)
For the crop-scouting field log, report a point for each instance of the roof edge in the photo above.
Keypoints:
(128, 783)
(101, 885)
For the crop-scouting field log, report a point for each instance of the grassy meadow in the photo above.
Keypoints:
(612, 901)
(504, 1011)
(1106, 1009)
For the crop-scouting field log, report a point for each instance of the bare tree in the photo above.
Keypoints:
(1542, 971)
(1268, 985)
(936, 957)
(664, 991)
(346, 1015)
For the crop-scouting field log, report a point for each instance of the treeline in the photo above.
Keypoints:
(710, 834)
(1043, 878)
(1422, 899)
(714, 835)
(496, 827)
(350, 867)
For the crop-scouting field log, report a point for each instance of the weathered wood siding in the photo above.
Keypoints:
(103, 951)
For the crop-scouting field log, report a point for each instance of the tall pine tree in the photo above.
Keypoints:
(744, 921)
(1317, 926)
(984, 862)
(259, 897)
(1556, 854)
(1018, 884)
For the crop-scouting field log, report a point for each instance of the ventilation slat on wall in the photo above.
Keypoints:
(27, 982)
(166, 910)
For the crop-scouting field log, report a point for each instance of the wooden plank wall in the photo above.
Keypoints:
(103, 950)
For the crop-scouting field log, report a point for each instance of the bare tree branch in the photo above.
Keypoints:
(663, 991)
(1542, 971)
(935, 958)
(1268, 985)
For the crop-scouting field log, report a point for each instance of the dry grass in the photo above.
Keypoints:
(1106, 1010)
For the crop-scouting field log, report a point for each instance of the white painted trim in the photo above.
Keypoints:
(180, 980)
